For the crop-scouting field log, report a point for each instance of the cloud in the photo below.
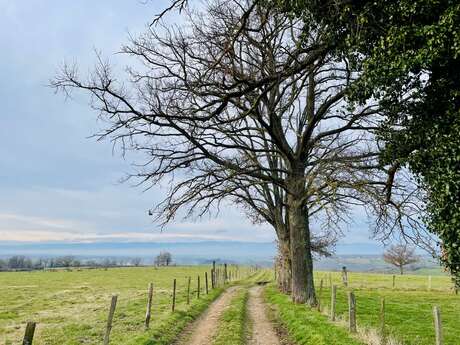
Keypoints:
(11, 221)
(114, 213)
(64, 236)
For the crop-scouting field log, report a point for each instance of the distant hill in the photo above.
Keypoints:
(375, 263)
(357, 256)
(228, 249)
(183, 252)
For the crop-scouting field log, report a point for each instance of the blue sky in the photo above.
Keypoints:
(55, 182)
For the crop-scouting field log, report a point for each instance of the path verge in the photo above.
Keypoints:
(306, 326)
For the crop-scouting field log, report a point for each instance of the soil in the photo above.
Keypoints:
(201, 331)
(263, 331)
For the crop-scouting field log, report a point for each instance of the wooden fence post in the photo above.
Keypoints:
(174, 296)
(394, 281)
(352, 312)
(149, 306)
(225, 274)
(382, 321)
(188, 289)
(429, 283)
(330, 280)
(198, 290)
(333, 298)
(206, 278)
(321, 286)
(213, 275)
(212, 279)
(344, 276)
(438, 325)
(113, 305)
(29, 333)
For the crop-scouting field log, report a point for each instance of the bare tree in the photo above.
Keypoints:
(167, 258)
(400, 255)
(163, 259)
(136, 261)
(235, 106)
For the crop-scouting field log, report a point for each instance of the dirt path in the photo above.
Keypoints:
(263, 332)
(202, 330)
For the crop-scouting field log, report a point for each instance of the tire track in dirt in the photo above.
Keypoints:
(202, 330)
(263, 331)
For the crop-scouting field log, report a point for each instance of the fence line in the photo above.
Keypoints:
(352, 319)
(218, 276)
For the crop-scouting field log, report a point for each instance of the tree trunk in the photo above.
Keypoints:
(311, 295)
(303, 290)
(284, 265)
(401, 269)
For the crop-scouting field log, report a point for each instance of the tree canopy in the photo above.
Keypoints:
(400, 255)
(409, 54)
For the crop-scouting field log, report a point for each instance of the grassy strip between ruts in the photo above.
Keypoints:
(232, 324)
(166, 332)
(305, 326)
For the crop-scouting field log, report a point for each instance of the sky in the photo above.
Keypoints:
(57, 183)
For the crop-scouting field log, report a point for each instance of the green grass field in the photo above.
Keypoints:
(72, 307)
(441, 283)
(409, 316)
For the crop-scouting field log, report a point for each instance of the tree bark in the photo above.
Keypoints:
(303, 290)
(311, 295)
(284, 265)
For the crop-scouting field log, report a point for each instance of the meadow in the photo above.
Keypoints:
(408, 306)
(71, 307)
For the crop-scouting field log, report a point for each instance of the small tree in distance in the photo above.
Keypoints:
(163, 259)
(400, 255)
(136, 261)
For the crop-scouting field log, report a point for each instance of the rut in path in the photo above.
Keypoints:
(263, 332)
(203, 329)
